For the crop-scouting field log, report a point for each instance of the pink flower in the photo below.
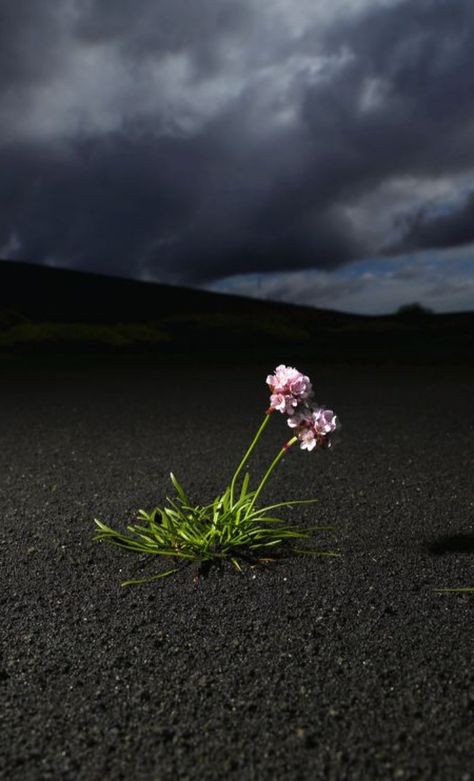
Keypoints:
(301, 418)
(313, 427)
(289, 389)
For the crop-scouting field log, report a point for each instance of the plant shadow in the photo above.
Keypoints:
(246, 560)
(452, 543)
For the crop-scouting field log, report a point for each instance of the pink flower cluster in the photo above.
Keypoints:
(292, 393)
(289, 389)
(313, 427)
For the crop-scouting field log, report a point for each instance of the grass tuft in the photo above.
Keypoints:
(226, 529)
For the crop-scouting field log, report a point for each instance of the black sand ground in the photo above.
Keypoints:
(304, 669)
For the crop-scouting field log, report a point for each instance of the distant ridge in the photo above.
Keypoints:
(63, 295)
(46, 293)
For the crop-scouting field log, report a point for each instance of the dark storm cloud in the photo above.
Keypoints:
(192, 141)
(403, 105)
(30, 43)
(138, 202)
(100, 198)
(424, 231)
(146, 29)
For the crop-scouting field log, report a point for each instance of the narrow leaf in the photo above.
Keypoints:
(179, 489)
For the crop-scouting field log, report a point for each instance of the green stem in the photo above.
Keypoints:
(270, 470)
(246, 456)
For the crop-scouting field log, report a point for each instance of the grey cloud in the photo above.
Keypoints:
(423, 230)
(118, 195)
(407, 273)
(367, 293)
(31, 43)
(142, 205)
(418, 56)
(252, 158)
(143, 28)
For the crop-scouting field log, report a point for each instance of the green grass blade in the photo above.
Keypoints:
(464, 590)
(245, 485)
(179, 489)
(280, 504)
(176, 510)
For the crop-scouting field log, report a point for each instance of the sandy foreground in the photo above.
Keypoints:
(332, 668)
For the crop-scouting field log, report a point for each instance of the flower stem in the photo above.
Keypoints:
(270, 470)
(246, 456)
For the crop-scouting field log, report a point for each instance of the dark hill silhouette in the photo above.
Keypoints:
(61, 295)
(43, 308)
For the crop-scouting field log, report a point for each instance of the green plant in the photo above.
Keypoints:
(232, 527)
(216, 531)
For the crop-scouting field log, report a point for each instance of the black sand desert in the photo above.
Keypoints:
(351, 667)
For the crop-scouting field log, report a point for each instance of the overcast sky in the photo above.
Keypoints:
(304, 150)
